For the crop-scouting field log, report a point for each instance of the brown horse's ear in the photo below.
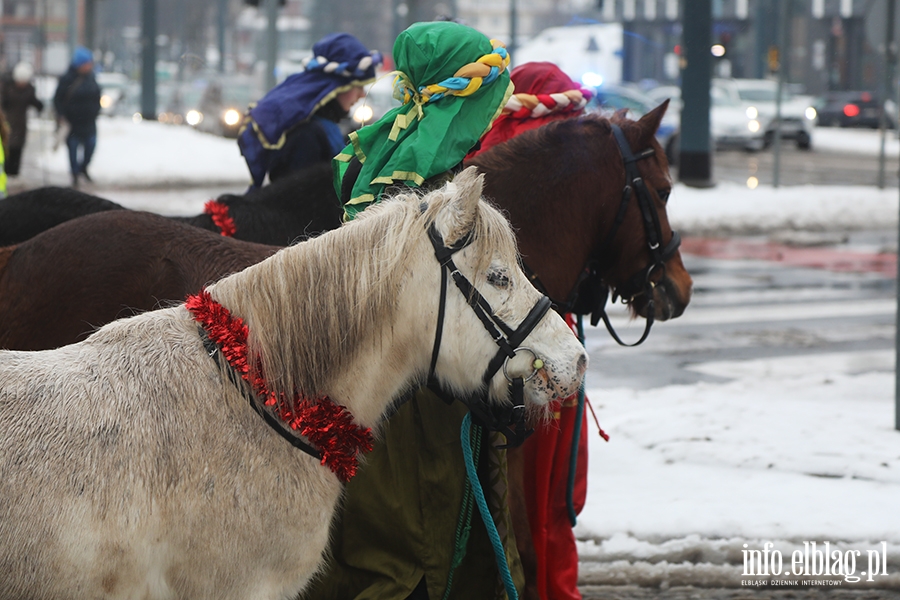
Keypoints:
(621, 114)
(650, 122)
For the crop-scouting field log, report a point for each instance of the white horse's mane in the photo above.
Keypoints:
(322, 297)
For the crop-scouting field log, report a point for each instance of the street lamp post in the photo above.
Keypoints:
(72, 27)
(695, 161)
(148, 59)
(221, 19)
(513, 26)
(271, 42)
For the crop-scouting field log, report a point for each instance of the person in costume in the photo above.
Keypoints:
(545, 94)
(449, 100)
(295, 125)
(407, 529)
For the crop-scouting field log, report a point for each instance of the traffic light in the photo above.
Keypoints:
(773, 57)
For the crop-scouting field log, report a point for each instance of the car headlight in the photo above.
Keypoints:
(753, 126)
(810, 113)
(592, 79)
(105, 101)
(193, 117)
(231, 117)
(752, 113)
(363, 114)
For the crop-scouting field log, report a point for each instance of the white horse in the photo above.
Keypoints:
(133, 464)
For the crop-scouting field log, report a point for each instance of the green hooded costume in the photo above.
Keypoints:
(442, 117)
(398, 527)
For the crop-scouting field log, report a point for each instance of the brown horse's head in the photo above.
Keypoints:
(633, 262)
(562, 186)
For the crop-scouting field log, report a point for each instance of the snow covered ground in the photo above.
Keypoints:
(783, 451)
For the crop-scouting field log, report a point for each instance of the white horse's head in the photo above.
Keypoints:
(357, 308)
(550, 359)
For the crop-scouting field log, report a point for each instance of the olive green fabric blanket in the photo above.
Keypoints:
(399, 516)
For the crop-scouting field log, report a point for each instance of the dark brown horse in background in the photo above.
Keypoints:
(59, 286)
(567, 179)
(269, 215)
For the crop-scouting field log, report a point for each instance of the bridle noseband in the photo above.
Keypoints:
(508, 420)
(639, 283)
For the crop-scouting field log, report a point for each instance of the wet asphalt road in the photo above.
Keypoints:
(799, 167)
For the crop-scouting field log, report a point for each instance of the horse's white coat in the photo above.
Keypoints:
(133, 468)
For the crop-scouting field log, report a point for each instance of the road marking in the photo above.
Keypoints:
(801, 311)
(829, 258)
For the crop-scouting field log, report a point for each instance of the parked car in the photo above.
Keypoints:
(853, 109)
(729, 124)
(610, 98)
(759, 96)
(218, 106)
(378, 100)
(114, 88)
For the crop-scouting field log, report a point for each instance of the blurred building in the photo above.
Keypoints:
(35, 32)
(831, 43)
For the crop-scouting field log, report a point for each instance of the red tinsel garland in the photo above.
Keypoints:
(220, 217)
(326, 425)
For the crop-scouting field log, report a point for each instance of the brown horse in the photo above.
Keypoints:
(62, 284)
(571, 170)
(275, 214)
(574, 176)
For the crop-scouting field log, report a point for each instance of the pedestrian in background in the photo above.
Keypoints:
(17, 95)
(77, 100)
(295, 125)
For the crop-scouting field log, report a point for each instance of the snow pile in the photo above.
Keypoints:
(734, 208)
(703, 562)
(146, 154)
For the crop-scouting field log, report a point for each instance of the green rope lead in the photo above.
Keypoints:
(576, 437)
(499, 552)
(464, 522)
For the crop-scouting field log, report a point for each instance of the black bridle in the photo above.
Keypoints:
(590, 293)
(508, 420)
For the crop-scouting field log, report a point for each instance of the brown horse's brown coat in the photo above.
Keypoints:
(57, 287)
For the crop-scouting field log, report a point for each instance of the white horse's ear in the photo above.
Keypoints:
(456, 217)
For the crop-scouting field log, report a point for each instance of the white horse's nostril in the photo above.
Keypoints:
(582, 363)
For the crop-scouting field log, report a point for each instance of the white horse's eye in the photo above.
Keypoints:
(498, 279)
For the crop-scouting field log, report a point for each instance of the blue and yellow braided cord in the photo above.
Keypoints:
(467, 80)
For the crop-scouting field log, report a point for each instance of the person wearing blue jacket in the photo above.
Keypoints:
(77, 101)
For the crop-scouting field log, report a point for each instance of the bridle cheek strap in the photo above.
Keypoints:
(634, 185)
(508, 420)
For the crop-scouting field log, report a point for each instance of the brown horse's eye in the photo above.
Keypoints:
(498, 279)
(663, 195)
